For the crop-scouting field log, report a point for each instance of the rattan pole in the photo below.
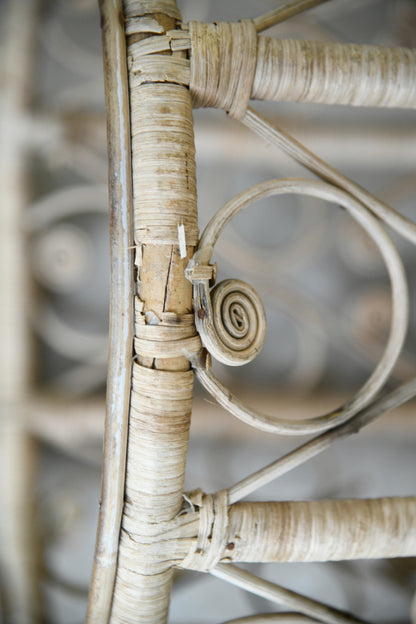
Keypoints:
(332, 73)
(165, 232)
(330, 530)
(280, 595)
(327, 530)
(230, 64)
(121, 312)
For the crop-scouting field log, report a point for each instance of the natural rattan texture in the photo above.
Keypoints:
(164, 203)
(170, 68)
(329, 530)
(231, 64)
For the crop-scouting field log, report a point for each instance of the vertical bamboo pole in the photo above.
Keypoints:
(18, 566)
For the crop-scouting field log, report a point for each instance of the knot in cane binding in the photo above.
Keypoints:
(208, 548)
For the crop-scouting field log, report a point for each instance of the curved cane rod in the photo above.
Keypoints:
(301, 531)
(206, 326)
(315, 323)
(230, 64)
(262, 22)
(121, 315)
(274, 618)
(280, 595)
(275, 135)
(314, 447)
(308, 239)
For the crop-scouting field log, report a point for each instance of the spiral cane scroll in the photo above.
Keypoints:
(230, 319)
(239, 321)
(211, 317)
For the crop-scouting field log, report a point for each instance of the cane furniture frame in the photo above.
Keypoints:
(147, 524)
(167, 320)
